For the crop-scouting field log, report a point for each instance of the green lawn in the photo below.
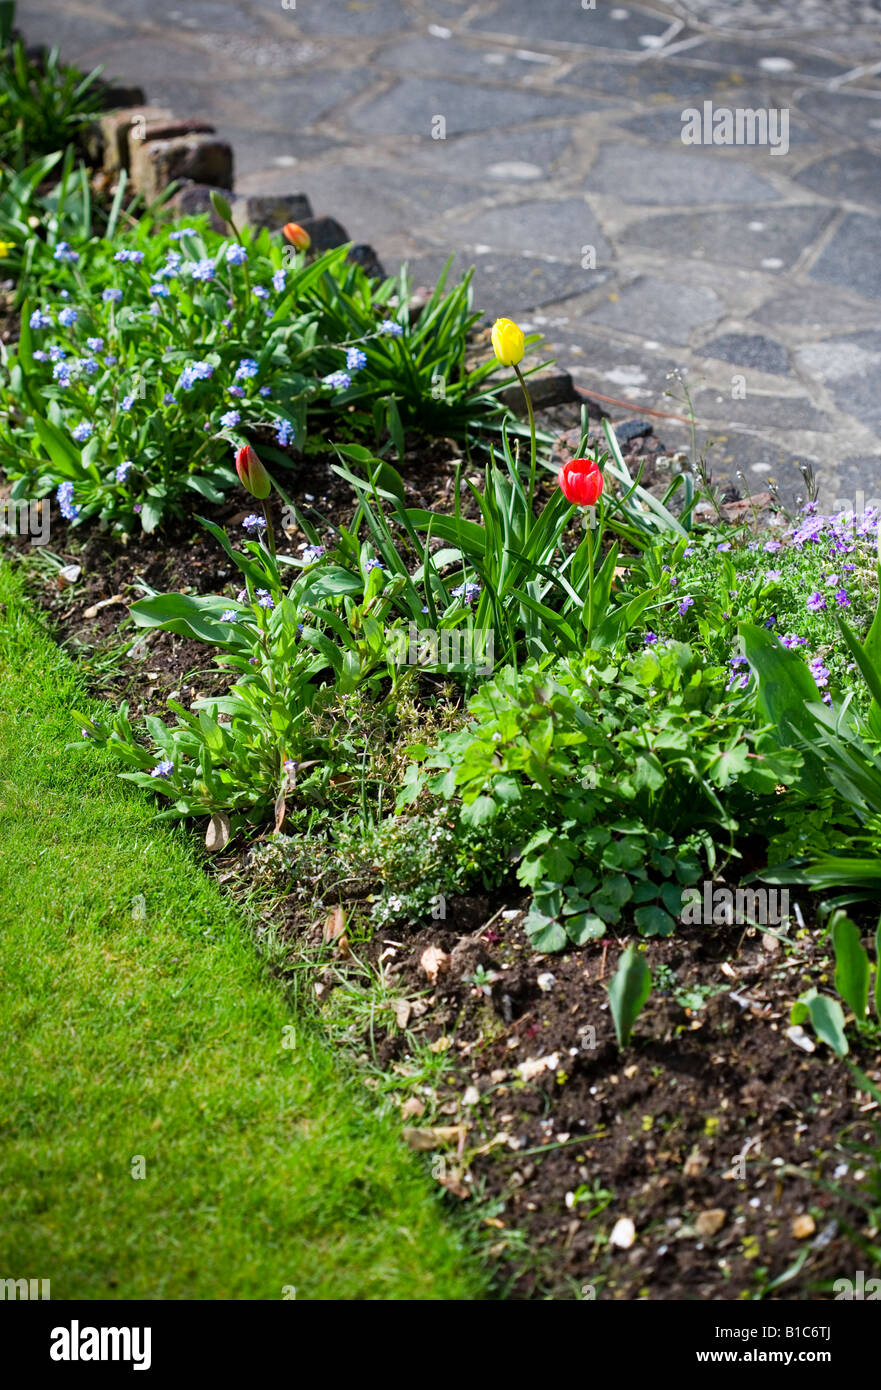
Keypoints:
(159, 1036)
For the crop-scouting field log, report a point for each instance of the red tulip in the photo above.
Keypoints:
(581, 482)
(253, 475)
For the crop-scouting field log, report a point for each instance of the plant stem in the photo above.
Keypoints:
(522, 381)
(589, 538)
(270, 533)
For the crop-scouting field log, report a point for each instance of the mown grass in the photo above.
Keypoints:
(161, 1036)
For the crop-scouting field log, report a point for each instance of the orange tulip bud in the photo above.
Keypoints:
(297, 235)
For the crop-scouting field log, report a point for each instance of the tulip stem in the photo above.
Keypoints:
(531, 413)
(270, 533)
(588, 518)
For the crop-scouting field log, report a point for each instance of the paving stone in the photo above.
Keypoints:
(858, 483)
(660, 177)
(750, 58)
(850, 366)
(506, 286)
(762, 412)
(562, 229)
(660, 309)
(568, 22)
(766, 238)
(658, 79)
(364, 20)
(451, 58)
(522, 157)
(851, 259)
(810, 307)
(749, 350)
(665, 126)
(855, 114)
(411, 106)
(731, 451)
(273, 150)
(852, 175)
(184, 14)
(377, 204)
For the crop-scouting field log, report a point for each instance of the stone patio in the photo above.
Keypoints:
(542, 141)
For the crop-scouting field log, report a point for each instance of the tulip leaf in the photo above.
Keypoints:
(628, 992)
(851, 965)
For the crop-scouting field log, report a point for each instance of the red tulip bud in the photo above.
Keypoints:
(581, 482)
(253, 475)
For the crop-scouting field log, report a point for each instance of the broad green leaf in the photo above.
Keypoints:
(851, 965)
(628, 992)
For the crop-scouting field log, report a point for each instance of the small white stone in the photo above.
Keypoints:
(514, 169)
(440, 31)
(772, 263)
(623, 1233)
(776, 64)
(546, 981)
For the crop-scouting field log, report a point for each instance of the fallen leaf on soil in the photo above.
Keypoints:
(441, 1044)
(412, 1108)
(402, 1012)
(334, 930)
(534, 1066)
(69, 574)
(623, 1233)
(709, 1222)
(471, 1096)
(434, 962)
(217, 834)
(424, 1139)
(803, 1226)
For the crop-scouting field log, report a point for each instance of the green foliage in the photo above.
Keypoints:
(43, 106)
(591, 761)
(135, 378)
(853, 975)
(628, 992)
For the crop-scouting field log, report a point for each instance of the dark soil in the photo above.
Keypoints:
(654, 1131)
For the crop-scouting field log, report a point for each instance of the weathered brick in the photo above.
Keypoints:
(201, 158)
(550, 387)
(271, 210)
(325, 233)
(113, 132)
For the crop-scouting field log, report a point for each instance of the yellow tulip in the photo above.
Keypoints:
(509, 343)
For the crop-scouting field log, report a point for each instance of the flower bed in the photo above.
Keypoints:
(519, 752)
